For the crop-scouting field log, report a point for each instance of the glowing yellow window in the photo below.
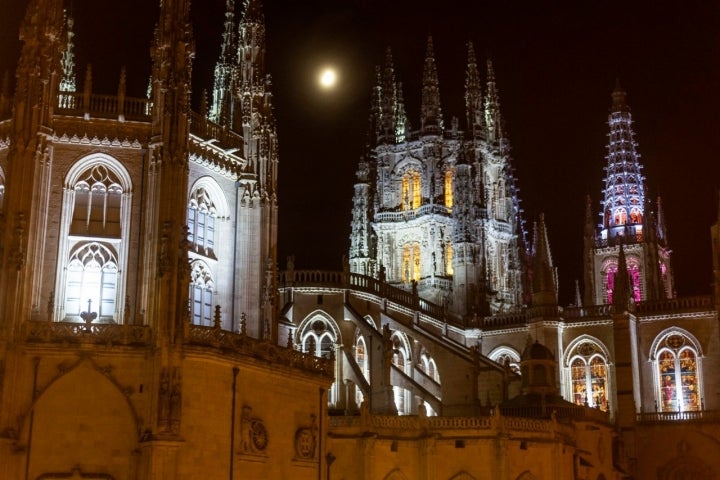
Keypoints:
(416, 194)
(416, 262)
(406, 264)
(449, 189)
(405, 192)
(448, 259)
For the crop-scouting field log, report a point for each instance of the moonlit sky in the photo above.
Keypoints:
(555, 62)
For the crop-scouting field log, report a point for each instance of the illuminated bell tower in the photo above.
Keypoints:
(628, 223)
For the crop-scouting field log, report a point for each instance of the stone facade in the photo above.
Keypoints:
(146, 332)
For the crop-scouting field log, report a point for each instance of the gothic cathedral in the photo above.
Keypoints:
(147, 333)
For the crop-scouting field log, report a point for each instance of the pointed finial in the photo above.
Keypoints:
(618, 97)
(473, 96)
(431, 113)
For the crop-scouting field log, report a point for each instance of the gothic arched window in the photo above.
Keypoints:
(506, 356)
(588, 371)
(678, 373)
(633, 269)
(427, 365)
(411, 190)
(411, 265)
(449, 175)
(620, 216)
(318, 338)
(91, 281)
(201, 292)
(201, 222)
(94, 228)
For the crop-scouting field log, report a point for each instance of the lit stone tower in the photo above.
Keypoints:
(436, 209)
(256, 236)
(629, 231)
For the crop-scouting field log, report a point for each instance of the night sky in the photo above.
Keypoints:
(556, 63)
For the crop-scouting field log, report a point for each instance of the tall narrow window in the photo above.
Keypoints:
(411, 190)
(93, 240)
(449, 188)
(448, 259)
(201, 222)
(201, 292)
(417, 192)
(416, 262)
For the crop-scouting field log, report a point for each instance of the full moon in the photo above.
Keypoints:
(328, 78)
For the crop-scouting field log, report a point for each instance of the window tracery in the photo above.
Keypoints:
(609, 272)
(91, 281)
(94, 227)
(202, 287)
(506, 356)
(202, 214)
(411, 265)
(411, 190)
(678, 374)
(588, 370)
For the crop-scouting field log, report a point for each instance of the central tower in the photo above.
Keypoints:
(436, 209)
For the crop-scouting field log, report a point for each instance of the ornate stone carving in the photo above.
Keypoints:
(306, 440)
(169, 400)
(253, 434)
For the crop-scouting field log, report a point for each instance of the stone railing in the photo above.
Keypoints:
(560, 412)
(703, 302)
(225, 138)
(95, 333)
(103, 106)
(661, 417)
(230, 342)
(415, 424)
(572, 313)
(407, 215)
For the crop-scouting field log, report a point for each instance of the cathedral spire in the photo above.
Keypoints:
(493, 118)
(588, 256)
(67, 61)
(544, 272)
(402, 124)
(624, 192)
(473, 96)
(431, 113)
(388, 102)
(225, 71)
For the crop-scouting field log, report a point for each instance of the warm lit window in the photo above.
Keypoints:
(449, 259)
(411, 265)
(678, 375)
(620, 216)
(449, 188)
(417, 192)
(635, 215)
(589, 376)
(411, 190)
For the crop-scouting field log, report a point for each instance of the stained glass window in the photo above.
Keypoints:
(678, 376)
(589, 376)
